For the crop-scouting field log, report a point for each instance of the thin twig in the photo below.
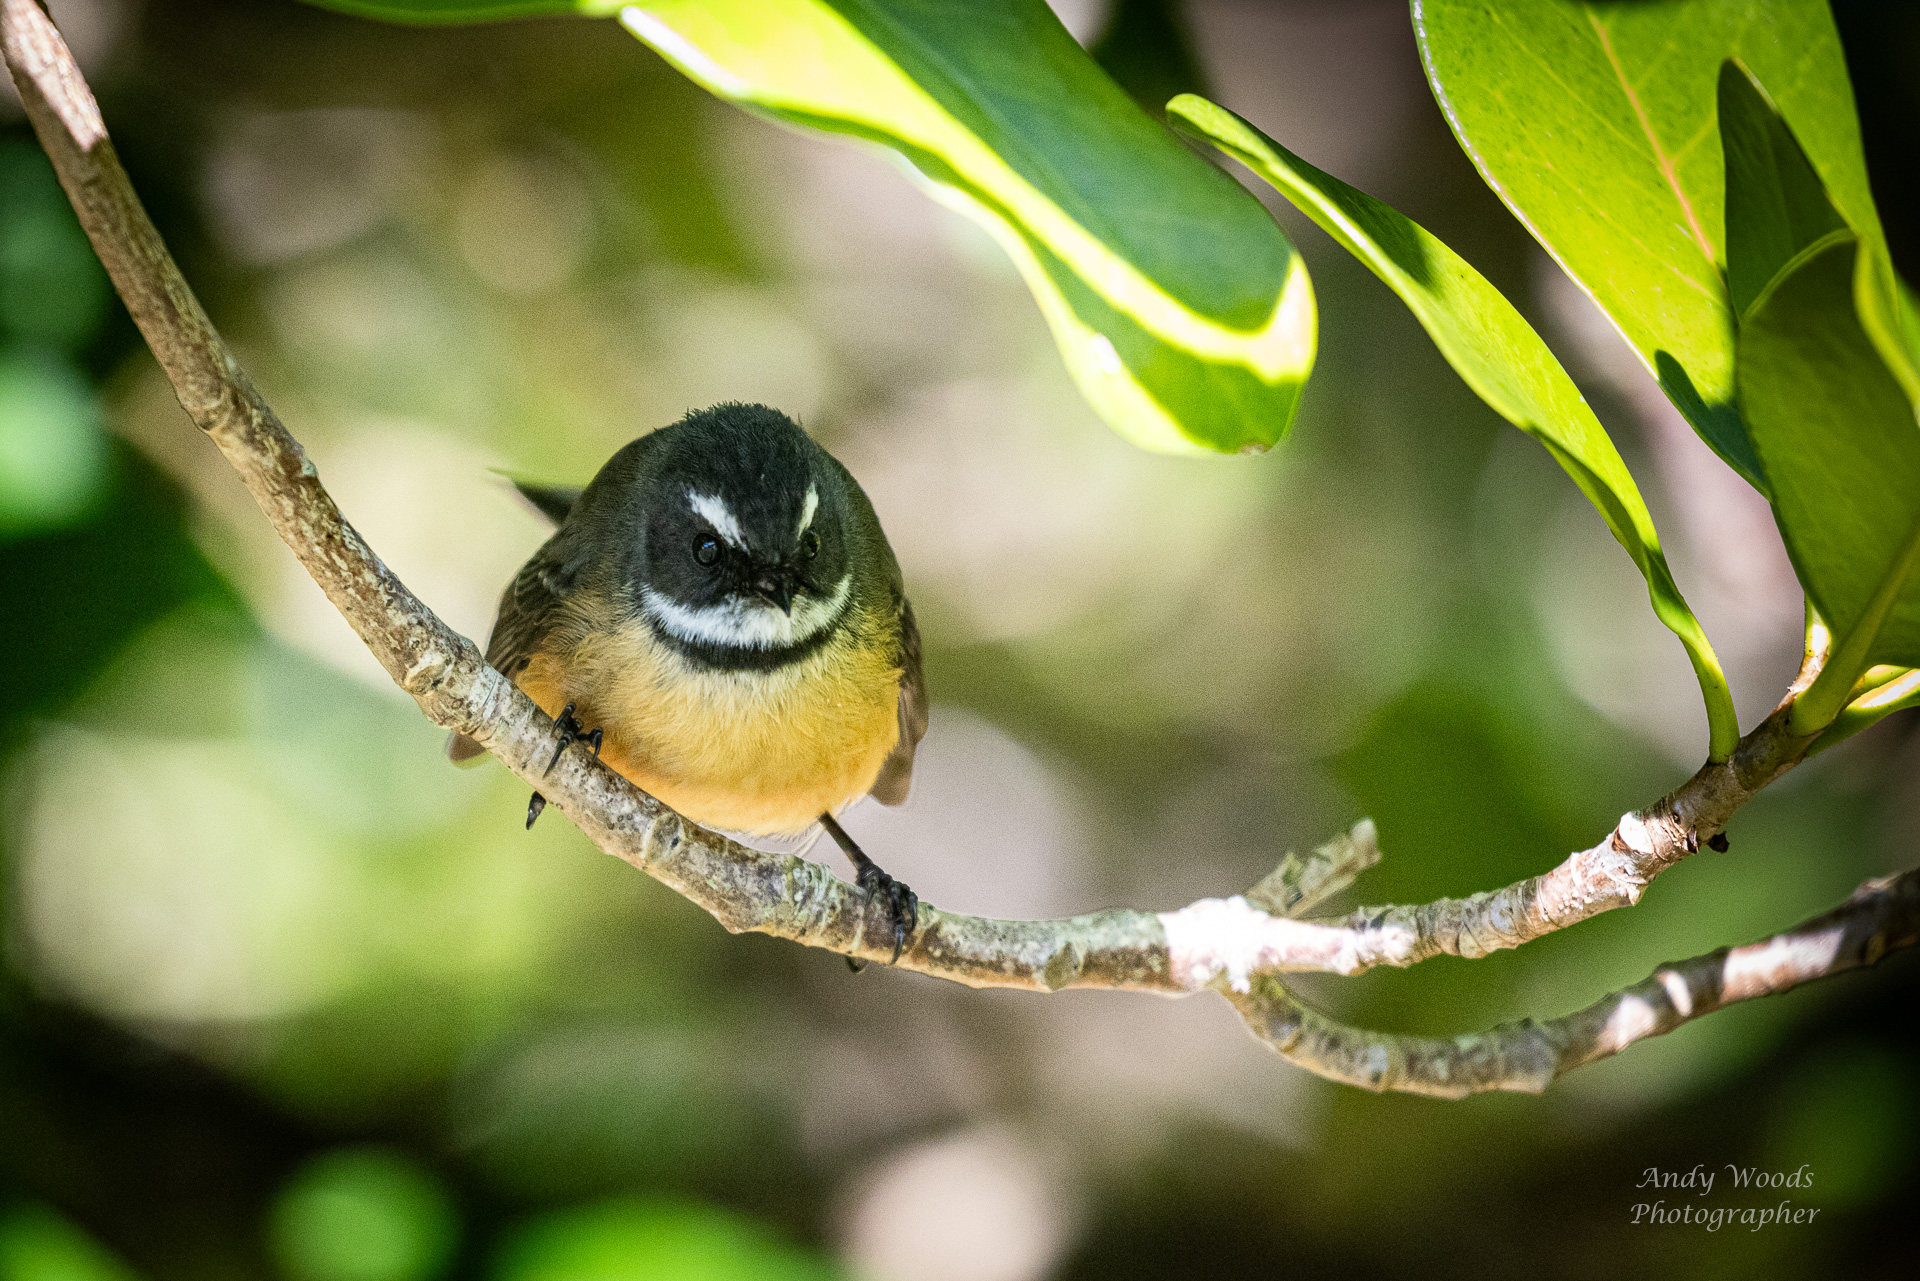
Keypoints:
(1228, 944)
(1881, 917)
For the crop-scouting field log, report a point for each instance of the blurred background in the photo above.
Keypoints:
(286, 996)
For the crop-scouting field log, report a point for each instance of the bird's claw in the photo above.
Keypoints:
(570, 733)
(901, 903)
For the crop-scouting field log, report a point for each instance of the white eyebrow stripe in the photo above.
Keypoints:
(742, 623)
(716, 513)
(806, 512)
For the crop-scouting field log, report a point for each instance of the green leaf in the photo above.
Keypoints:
(1494, 350)
(1908, 311)
(1596, 124)
(1148, 50)
(1177, 303)
(1870, 709)
(1776, 207)
(1837, 435)
(1806, 362)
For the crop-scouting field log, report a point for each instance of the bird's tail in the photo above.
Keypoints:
(551, 501)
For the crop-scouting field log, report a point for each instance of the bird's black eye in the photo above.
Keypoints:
(809, 545)
(706, 551)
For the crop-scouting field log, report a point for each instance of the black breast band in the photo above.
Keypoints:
(746, 658)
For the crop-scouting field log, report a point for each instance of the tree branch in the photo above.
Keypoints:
(1881, 917)
(1236, 944)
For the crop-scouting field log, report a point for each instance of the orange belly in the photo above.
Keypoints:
(759, 752)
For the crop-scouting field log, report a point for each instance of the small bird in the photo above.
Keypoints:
(721, 605)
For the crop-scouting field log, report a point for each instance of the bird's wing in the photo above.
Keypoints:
(527, 610)
(896, 773)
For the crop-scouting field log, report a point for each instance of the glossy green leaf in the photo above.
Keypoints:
(1148, 50)
(1179, 307)
(1805, 363)
(1595, 122)
(1837, 436)
(1493, 349)
(1776, 207)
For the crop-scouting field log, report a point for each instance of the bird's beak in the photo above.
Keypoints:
(775, 585)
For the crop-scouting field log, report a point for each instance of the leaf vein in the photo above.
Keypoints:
(1665, 163)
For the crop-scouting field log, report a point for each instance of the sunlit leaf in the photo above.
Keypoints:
(1493, 349)
(1870, 709)
(1596, 124)
(1178, 305)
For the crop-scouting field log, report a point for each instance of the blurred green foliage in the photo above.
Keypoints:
(53, 298)
(53, 455)
(52, 288)
(38, 1245)
(638, 1240)
(1845, 1116)
(364, 1214)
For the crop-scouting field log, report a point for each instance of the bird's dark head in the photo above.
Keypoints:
(749, 534)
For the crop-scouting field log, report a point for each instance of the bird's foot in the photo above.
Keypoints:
(900, 903)
(570, 733)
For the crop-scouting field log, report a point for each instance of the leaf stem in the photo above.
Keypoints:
(1823, 700)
